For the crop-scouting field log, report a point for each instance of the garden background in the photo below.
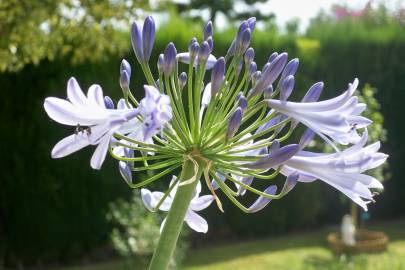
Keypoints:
(55, 210)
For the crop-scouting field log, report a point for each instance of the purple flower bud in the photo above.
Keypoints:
(268, 92)
(217, 75)
(243, 26)
(256, 76)
(306, 138)
(313, 93)
(160, 63)
(249, 56)
(124, 80)
(251, 22)
(204, 52)
(207, 30)
(287, 85)
(125, 66)
(194, 39)
(232, 49)
(271, 73)
(234, 123)
(109, 104)
(272, 57)
(244, 42)
(239, 68)
(125, 166)
(262, 202)
(275, 158)
(265, 67)
(275, 146)
(210, 43)
(290, 68)
(290, 183)
(252, 69)
(148, 37)
(136, 40)
(170, 59)
(193, 49)
(182, 80)
(242, 103)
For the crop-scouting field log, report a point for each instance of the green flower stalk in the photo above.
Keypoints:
(228, 131)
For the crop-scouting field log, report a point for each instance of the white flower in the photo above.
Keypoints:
(342, 170)
(193, 220)
(95, 124)
(337, 118)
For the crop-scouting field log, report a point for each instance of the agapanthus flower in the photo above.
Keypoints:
(197, 203)
(229, 131)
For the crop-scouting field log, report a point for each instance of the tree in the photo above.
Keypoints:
(227, 7)
(85, 29)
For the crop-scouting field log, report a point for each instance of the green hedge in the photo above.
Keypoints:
(55, 209)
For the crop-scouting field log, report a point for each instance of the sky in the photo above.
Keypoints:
(286, 10)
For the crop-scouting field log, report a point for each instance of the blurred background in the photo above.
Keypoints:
(57, 214)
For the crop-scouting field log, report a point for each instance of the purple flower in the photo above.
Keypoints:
(337, 118)
(197, 203)
(185, 58)
(156, 111)
(342, 170)
(95, 124)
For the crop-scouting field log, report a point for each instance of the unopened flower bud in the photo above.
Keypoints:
(268, 92)
(136, 40)
(109, 104)
(275, 158)
(243, 26)
(262, 201)
(290, 68)
(271, 73)
(287, 85)
(239, 68)
(125, 66)
(210, 43)
(313, 93)
(203, 52)
(148, 37)
(251, 22)
(249, 56)
(265, 67)
(232, 49)
(252, 69)
(207, 30)
(182, 80)
(170, 59)
(242, 103)
(255, 77)
(160, 63)
(217, 75)
(193, 49)
(234, 123)
(124, 82)
(245, 41)
(272, 57)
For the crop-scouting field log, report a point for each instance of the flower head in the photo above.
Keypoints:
(232, 128)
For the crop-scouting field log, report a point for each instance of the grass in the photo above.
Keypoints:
(303, 251)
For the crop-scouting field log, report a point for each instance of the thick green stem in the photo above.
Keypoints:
(175, 218)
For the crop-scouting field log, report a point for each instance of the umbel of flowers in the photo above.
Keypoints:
(224, 122)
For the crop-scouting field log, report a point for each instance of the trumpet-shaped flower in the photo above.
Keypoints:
(337, 118)
(342, 170)
(94, 123)
(197, 203)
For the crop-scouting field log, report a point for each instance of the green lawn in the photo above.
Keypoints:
(304, 251)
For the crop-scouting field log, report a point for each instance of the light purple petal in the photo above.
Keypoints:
(261, 202)
(99, 155)
(95, 96)
(125, 171)
(75, 93)
(196, 222)
(200, 203)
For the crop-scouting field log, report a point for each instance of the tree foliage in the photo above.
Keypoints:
(83, 29)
